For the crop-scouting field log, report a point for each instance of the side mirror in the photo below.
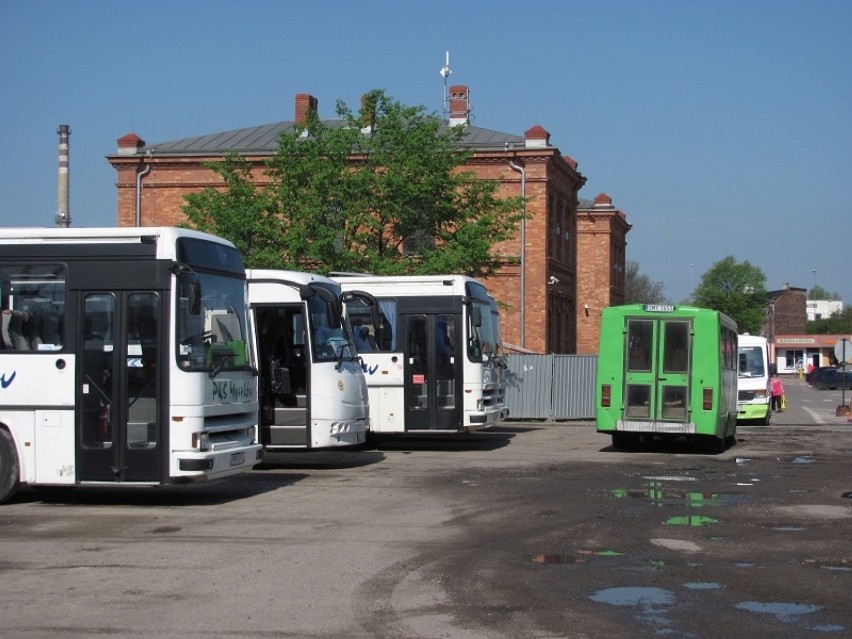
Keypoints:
(475, 315)
(194, 297)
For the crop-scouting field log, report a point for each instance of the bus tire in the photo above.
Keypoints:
(624, 441)
(9, 471)
(714, 445)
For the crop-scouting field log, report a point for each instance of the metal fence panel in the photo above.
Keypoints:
(551, 386)
(574, 386)
(528, 388)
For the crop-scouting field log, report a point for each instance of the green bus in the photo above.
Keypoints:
(667, 371)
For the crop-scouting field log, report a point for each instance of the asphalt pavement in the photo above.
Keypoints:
(530, 530)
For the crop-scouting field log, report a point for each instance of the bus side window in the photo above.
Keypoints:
(14, 328)
(32, 298)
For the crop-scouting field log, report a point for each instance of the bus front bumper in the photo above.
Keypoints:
(752, 411)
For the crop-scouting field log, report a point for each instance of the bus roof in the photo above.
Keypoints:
(672, 310)
(406, 285)
(99, 235)
(296, 277)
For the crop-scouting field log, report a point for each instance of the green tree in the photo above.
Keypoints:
(737, 289)
(839, 323)
(820, 293)
(243, 214)
(641, 289)
(380, 191)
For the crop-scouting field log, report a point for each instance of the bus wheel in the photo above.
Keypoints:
(714, 445)
(9, 480)
(625, 441)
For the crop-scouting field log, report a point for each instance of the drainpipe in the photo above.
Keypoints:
(139, 176)
(523, 173)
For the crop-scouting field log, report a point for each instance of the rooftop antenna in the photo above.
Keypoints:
(445, 73)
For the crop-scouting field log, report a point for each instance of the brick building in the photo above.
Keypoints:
(786, 312)
(539, 297)
(601, 244)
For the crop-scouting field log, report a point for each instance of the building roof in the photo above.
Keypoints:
(263, 140)
(772, 295)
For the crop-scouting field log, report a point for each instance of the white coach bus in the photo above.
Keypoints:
(125, 358)
(312, 389)
(431, 347)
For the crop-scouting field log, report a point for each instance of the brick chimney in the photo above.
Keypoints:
(459, 105)
(536, 137)
(603, 201)
(63, 211)
(305, 103)
(130, 144)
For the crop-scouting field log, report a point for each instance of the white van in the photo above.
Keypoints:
(753, 379)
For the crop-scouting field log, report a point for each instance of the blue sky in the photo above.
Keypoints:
(719, 128)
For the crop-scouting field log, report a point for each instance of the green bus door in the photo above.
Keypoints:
(658, 354)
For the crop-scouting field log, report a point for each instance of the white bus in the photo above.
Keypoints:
(753, 379)
(432, 351)
(312, 389)
(125, 358)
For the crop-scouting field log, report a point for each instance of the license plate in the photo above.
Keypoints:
(237, 458)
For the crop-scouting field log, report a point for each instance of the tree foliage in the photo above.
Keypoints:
(641, 289)
(380, 191)
(839, 323)
(737, 289)
(820, 293)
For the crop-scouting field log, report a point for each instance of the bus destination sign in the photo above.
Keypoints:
(659, 308)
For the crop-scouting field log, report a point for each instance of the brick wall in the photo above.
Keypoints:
(790, 312)
(552, 250)
(601, 240)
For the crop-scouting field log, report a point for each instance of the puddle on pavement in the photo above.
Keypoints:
(651, 604)
(837, 568)
(557, 560)
(783, 611)
(703, 585)
(582, 556)
(788, 528)
(790, 612)
(662, 497)
(691, 520)
(804, 459)
(634, 596)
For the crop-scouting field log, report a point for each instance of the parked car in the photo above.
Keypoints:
(809, 376)
(831, 378)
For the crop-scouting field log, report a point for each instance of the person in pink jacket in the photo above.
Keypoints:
(776, 391)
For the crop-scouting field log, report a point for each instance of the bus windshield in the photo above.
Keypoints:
(483, 324)
(211, 322)
(330, 334)
(751, 361)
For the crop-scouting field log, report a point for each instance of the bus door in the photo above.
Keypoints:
(658, 356)
(120, 430)
(432, 371)
(284, 375)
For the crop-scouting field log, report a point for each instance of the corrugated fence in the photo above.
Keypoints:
(551, 386)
